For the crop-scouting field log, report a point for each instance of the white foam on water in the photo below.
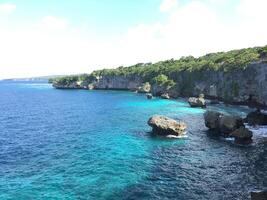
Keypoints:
(258, 131)
(177, 137)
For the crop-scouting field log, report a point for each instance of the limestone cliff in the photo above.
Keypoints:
(236, 86)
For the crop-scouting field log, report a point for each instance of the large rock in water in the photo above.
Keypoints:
(226, 125)
(166, 126)
(197, 102)
(144, 88)
(212, 120)
(256, 118)
(262, 195)
(149, 96)
(242, 135)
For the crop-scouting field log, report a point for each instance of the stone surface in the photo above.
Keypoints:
(149, 96)
(260, 195)
(228, 126)
(256, 118)
(165, 96)
(165, 126)
(237, 86)
(242, 135)
(212, 120)
(144, 88)
(197, 102)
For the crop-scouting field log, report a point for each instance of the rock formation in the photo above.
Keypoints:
(197, 102)
(166, 126)
(149, 96)
(165, 96)
(259, 195)
(144, 88)
(228, 126)
(256, 118)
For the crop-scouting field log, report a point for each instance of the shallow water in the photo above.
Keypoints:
(77, 144)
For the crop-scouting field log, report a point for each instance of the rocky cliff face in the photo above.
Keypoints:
(236, 86)
(131, 82)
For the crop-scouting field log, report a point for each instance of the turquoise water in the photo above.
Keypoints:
(77, 144)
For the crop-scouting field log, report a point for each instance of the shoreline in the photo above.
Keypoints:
(207, 97)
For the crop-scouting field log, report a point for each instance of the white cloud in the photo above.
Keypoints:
(52, 22)
(168, 5)
(194, 28)
(7, 8)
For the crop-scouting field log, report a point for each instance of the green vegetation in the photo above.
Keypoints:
(162, 72)
(163, 80)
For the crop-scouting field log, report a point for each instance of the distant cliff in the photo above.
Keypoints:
(238, 76)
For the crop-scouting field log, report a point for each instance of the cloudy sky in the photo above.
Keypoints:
(48, 37)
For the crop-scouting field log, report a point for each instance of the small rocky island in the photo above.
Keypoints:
(228, 126)
(168, 127)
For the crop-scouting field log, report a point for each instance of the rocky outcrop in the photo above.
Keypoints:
(242, 135)
(119, 82)
(256, 118)
(259, 195)
(165, 96)
(197, 102)
(144, 88)
(73, 85)
(240, 85)
(149, 96)
(228, 126)
(222, 124)
(91, 86)
(166, 126)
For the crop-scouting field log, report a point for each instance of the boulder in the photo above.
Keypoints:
(222, 124)
(261, 195)
(165, 126)
(212, 120)
(228, 124)
(242, 135)
(197, 102)
(144, 88)
(256, 118)
(165, 96)
(91, 86)
(149, 96)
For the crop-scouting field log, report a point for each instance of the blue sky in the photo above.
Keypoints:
(48, 37)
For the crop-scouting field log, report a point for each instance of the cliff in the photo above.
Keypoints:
(238, 77)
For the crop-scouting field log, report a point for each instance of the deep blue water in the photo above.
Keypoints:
(78, 144)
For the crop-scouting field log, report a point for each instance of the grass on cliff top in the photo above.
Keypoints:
(224, 61)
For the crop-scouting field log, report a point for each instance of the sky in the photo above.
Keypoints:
(58, 37)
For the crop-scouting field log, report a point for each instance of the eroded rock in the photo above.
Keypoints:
(256, 118)
(242, 135)
(165, 96)
(228, 126)
(144, 88)
(197, 102)
(165, 126)
(149, 96)
(260, 195)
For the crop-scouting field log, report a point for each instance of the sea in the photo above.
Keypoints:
(83, 145)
